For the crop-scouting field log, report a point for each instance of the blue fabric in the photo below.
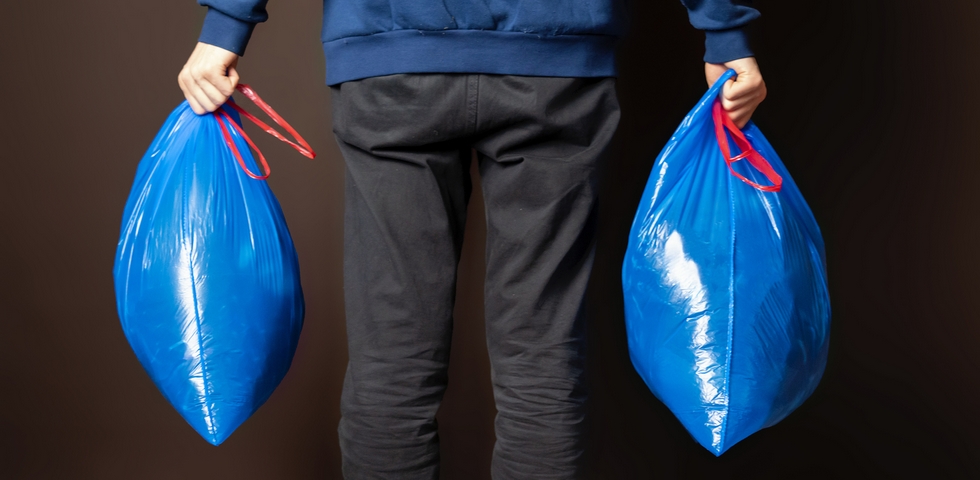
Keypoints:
(722, 22)
(725, 287)
(411, 51)
(566, 28)
(724, 45)
(226, 32)
(207, 280)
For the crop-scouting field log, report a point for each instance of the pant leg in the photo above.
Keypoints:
(407, 186)
(538, 168)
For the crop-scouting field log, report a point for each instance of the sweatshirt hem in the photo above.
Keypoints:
(469, 51)
(722, 46)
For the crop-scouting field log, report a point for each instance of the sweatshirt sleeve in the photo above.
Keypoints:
(229, 23)
(722, 22)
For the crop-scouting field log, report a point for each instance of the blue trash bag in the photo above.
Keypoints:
(724, 279)
(207, 280)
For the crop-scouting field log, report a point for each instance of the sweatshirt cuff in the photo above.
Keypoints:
(226, 32)
(722, 46)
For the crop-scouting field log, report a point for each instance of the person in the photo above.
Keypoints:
(418, 86)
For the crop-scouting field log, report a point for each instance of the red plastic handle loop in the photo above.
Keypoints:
(219, 114)
(722, 123)
(300, 145)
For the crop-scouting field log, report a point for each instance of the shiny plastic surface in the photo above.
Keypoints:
(207, 280)
(727, 308)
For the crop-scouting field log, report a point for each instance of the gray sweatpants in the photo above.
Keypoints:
(407, 142)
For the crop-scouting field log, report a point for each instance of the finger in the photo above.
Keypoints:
(744, 106)
(201, 98)
(740, 103)
(222, 85)
(185, 83)
(737, 117)
(198, 109)
(182, 83)
(728, 86)
(742, 116)
(743, 86)
(233, 78)
(209, 89)
(751, 100)
(194, 104)
(195, 95)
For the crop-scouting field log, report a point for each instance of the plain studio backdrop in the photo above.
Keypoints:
(872, 106)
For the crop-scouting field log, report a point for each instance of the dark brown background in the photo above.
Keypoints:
(872, 106)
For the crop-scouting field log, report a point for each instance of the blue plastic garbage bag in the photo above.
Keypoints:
(724, 279)
(207, 280)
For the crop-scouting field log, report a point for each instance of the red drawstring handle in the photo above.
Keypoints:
(300, 145)
(723, 122)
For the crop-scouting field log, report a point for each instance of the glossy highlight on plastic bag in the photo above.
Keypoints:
(207, 280)
(724, 281)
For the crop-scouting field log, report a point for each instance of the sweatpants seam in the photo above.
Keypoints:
(472, 101)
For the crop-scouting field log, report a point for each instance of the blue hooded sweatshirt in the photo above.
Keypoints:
(556, 38)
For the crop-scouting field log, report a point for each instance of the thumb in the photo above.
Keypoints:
(747, 80)
(233, 77)
(713, 71)
(732, 88)
(743, 84)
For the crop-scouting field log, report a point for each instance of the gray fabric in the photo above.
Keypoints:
(407, 142)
